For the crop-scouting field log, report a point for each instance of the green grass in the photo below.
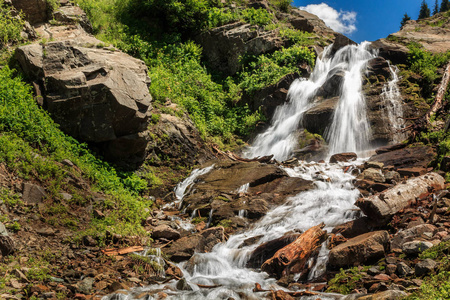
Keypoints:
(32, 147)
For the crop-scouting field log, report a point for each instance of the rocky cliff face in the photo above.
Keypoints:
(96, 93)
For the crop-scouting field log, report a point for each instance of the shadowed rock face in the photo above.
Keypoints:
(96, 95)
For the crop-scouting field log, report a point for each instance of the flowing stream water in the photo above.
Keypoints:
(331, 201)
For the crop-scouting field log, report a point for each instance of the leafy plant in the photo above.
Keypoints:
(10, 27)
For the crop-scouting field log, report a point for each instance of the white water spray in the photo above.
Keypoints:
(349, 130)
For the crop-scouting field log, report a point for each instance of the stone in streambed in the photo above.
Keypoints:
(165, 232)
(363, 248)
(343, 157)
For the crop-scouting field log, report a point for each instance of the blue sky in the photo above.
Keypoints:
(365, 20)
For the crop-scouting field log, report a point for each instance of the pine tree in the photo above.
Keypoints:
(424, 11)
(436, 7)
(405, 18)
(445, 6)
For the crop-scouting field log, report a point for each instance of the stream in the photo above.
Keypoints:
(331, 202)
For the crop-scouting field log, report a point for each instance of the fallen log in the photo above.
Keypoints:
(381, 207)
(292, 258)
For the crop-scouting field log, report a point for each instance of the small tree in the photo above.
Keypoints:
(405, 18)
(445, 6)
(424, 11)
(436, 7)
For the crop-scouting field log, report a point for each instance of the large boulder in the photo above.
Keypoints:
(36, 11)
(358, 250)
(97, 95)
(223, 46)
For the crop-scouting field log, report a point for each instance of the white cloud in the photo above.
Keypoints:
(342, 21)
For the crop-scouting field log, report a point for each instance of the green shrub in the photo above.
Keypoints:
(283, 5)
(221, 16)
(269, 69)
(258, 16)
(300, 38)
(10, 27)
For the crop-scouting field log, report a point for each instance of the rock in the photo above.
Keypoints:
(183, 248)
(45, 231)
(85, 286)
(382, 277)
(426, 266)
(317, 118)
(343, 157)
(412, 172)
(381, 207)
(363, 248)
(266, 250)
(96, 95)
(213, 236)
(73, 15)
(408, 157)
(374, 271)
(372, 174)
(224, 46)
(391, 269)
(183, 285)
(403, 269)
(353, 228)
(165, 232)
(7, 245)
(3, 231)
(386, 295)
(416, 247)
(392, 176)
(396, 53)
(374, 165)
(115, 286)
(176, 138)
(411, 234)
(33, 194)
(35, 10)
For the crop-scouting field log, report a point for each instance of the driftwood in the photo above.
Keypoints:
(381, 207)
(114, 252)
(292, 258)
(424, 121)
(232, 156)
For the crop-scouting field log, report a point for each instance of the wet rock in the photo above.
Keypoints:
(332, 86)
(386, 295)
(317, 118)
(353, 228)
(116, 285)
(403, 269)
(266, 250)
(411, 234)
(183, 285)
(425, 267)
(96, 95)
(395, 52)
(416, 247)
(213, 236)
(165, 232)
(417, 156)
(363, 248)
(33, 194)
(343, 157)
(381, 207)
(372, 174)
(183, 248)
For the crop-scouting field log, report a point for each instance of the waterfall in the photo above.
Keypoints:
(349, 130)
(392, 102)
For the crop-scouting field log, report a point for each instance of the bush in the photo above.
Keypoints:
(258, 16)
(10, 27)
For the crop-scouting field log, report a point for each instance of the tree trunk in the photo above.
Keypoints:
(381, 207)
(292, 258)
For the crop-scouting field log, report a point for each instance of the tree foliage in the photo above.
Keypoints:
(424, 11)
(404, 20)
(436, 7)
(445, 6)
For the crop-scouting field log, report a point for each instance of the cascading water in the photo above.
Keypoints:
(349, 130)
(392, 101)
(224, 270)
